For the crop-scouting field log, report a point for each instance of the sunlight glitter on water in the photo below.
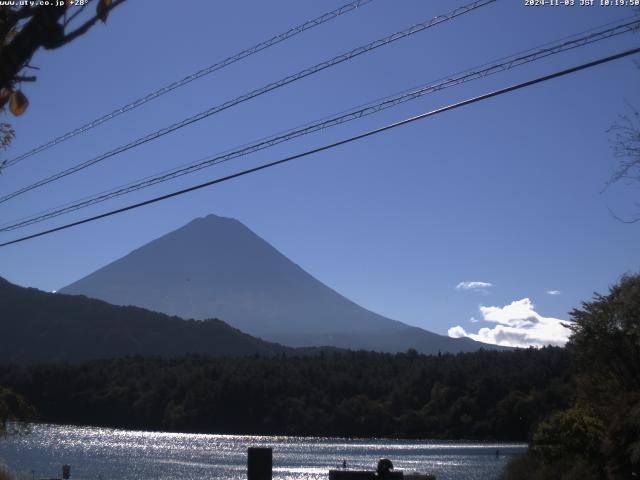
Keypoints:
(96, 453)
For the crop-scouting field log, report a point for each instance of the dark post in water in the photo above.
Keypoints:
(259, 463)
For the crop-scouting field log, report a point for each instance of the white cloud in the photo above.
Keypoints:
(457, 332)
(473, 285)
(474, 320)
(518, 325)
(554, 292)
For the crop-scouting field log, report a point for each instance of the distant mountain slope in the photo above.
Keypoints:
(37, 326)
(392, 341)
(217, 267)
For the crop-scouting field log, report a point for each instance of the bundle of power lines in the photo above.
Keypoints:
(497, 66)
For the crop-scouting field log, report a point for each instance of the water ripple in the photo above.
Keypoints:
(101, 453)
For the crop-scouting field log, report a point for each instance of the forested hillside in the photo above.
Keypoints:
(482, 395)
(41, 327)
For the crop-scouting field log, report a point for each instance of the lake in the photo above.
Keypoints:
(101, 453)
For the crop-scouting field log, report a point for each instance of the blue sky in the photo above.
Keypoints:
(506, 192)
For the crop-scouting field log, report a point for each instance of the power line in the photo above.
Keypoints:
(391, 101)
(267, 88)
(325, 17)
(376, 131)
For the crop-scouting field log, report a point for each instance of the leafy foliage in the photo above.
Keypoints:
(13, 407)
(605, 344)
(18, 103)
(7, 134)
(568, 433)
(599, 436)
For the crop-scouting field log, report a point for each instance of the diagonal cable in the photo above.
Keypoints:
(419, 27)
(359, 112)
(194, 76)
(333, 145)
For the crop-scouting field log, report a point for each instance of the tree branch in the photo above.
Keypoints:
(633, 220)
(77, 12)
(84, 28)
(44, 29)
(625, 143)
(41, 30)
(21, 78)
(24, 12)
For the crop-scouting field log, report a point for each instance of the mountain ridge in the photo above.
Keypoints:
(217, 267)
(39, 326)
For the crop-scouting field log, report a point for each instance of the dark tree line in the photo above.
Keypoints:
(482, 395)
